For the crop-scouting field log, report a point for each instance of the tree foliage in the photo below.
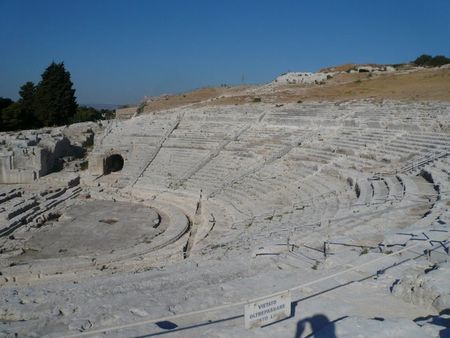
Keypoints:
(91, 114)
(426, 60)
(86, 114)
(55, 101)
(51, 102)
(20, 115)
(11, 117)
(27, 102)
(4, 103)
(439, 60)
(423, 60)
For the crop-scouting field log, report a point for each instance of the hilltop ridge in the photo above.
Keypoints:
(339, 83)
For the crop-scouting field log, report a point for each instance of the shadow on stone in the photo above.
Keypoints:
(443, 320)
(321, 326)
(166, 325)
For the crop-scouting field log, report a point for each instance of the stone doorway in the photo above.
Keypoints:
(113, 163)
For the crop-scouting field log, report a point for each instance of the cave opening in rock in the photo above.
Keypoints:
(113, 163)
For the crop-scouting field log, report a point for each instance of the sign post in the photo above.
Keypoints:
(268, 310)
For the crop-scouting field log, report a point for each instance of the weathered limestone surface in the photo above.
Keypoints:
(245, 201)
(302, 78)
(29, 155)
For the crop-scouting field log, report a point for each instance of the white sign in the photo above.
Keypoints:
(268, 310)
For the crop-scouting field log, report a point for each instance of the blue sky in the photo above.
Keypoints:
(120, 51)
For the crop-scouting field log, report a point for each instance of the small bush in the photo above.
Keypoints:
(426, 60)
(439, 60)
(364, 251)
(256, 99)
(423, 60)
(84, 165)
(315, 266)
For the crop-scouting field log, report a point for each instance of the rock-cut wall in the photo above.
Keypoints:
(26, 156)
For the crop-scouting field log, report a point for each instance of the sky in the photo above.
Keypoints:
(120, 51)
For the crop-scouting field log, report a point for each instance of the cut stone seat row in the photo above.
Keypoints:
(415, 145)
(255, 188)
(198, 136)
(207, 185)
(21, 208)
(207, 133)
(396, 188)
(225, 164)
(401, 141)
(314, 154)
(395, 151)
(150, 135)
(154, 183)
(391, 155)
(218, 170)
(380, 191)
(9, 195)
(30, 209)
(376, 135)
(127, 131)
(11, 204)
(18, 220)
(442, 178)
(265, 182)
(209, 127)
(420, 160)
(222, 116)
(364, 190)
(174, 162)
(254, 148)
(269, 133)
(363, 160)
(360, 140)
(191, 144)
(439, 142)
(294, 121)
(239, 201)
(320, 184)
(350, 140)
(325, 155)
(296, 113)
(417, 188)
(347, 144)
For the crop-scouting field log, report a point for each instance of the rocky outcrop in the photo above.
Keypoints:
(28, 155)
(428, 288)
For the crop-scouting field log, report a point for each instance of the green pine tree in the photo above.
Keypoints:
(11, 117)
(55, 100)
(27, 106)
(4, 103)
(423, 60)
(20, 115)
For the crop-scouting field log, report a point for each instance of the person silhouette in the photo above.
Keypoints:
(321, 327)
